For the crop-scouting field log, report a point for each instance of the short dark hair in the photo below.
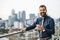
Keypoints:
(43, 6)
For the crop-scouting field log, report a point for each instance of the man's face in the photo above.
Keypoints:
(42, 11)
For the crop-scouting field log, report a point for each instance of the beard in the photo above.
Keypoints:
(43, 14)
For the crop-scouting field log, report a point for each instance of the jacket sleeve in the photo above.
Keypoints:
(33, 26)
(52, 27)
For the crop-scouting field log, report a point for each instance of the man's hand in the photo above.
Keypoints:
(23, 30)
(10, 31)
(40, 28)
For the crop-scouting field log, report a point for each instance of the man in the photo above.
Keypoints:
(45, 29)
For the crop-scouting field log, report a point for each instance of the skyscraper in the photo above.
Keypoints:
(23, 15)
(6, 24)
(12, 18)
(19, 16)
(14, 14)
(2, 24)
(11, 21)
(13, 11)
(32, 16)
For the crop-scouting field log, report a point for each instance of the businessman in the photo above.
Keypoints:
(45, 24)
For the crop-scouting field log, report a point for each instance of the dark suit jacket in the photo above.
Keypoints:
(49, 26)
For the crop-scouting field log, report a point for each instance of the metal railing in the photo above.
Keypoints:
(6, 35)
(18, 35)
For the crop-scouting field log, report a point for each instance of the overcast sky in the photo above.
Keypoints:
(30, 6)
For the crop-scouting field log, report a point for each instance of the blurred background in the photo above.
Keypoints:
(18, 14)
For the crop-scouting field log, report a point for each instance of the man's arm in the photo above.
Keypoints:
(30, 27)
(52, 27)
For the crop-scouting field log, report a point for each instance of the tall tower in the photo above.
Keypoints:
(23, 15)
(32, 16)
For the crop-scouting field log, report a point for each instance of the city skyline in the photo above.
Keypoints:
(30, 6)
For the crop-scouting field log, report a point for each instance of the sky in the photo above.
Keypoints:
(30, 6)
